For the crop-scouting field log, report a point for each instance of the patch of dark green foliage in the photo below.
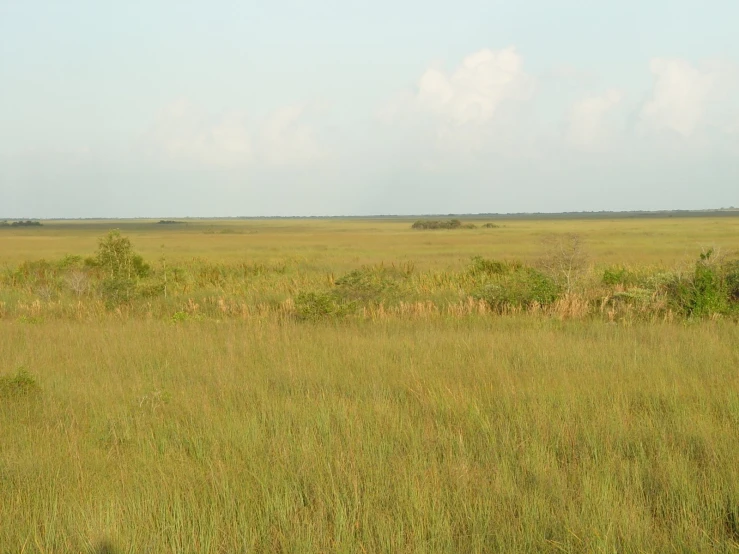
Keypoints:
(619, 276)
(504, 285)
(368, 285)
(372, 283)
(433, 224)
(316, 306)
(26, 223)
(712, 288)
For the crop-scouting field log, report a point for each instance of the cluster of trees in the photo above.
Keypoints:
(448, 224)
(437, 224)
(27, 223)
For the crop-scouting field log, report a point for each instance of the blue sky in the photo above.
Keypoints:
(327, 108)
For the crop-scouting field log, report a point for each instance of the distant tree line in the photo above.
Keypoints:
(27, 223)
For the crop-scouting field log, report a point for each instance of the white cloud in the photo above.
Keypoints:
(286, 138)
(183, 133)
(682, 95)
(465, 113)
(588, 126)
(474, 92)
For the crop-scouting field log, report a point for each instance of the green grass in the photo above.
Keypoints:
(455, 435)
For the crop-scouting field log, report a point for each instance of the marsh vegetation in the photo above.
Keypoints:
(566, 386)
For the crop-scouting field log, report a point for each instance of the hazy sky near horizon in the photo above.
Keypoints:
(317, 107)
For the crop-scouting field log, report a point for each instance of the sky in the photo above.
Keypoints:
(315, 107)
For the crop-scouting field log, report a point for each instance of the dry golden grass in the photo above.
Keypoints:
(347, 243)
(475, 435)
(427, 425)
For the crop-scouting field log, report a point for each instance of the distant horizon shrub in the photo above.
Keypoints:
(431, 224)
(21, 223)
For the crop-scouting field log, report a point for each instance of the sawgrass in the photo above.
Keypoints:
(343, 244)
(455, 435)
(214, 420)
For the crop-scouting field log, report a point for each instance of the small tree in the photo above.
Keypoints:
(564, 258)
(116, 257)
(122, 267)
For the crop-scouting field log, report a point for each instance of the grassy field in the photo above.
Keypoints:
(140, 430)
(336, 245)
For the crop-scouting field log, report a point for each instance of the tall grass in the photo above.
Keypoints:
(71, 288)
(455, 435)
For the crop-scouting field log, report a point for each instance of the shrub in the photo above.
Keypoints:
(70, 262)
(481, 265)
(709, 290)
(78, 282)
(34, 273)
(520, 289)
(179, 317)
(314, 306)
(731, 279)
(371, 283)
(490, 226)
(122, 268)
(27, 223)
(618, 276)
(564, 259)
(708, 295)
(116, 257)
(435, 224)
(22, 384)
(117, 290)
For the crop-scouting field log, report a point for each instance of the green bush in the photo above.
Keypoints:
(315, 306)
(117, 290)
(711, 289)
(616, 276)
(116, 257)
(121, 266)
(480, 265)
(520, 288)
(708, 293)
(22, 384)
(369, 283)
(731, 279)
(70, 262)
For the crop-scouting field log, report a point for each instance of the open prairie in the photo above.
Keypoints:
(346, 243)
(360, 386)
